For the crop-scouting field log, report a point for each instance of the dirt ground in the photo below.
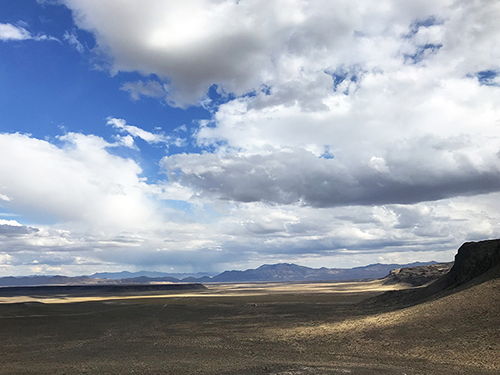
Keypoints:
(279, 329)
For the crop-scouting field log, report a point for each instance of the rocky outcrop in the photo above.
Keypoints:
(417, 276)
(473, 260)
(475, 263)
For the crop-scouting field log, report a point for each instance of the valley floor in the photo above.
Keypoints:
(280, 329)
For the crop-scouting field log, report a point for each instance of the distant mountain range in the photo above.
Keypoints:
(266, 273)
(293, 272)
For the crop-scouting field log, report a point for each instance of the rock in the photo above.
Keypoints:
(417, 276)
(475, 263)
(473, 260)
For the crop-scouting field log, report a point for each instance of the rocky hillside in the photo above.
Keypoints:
(475, 263)
(417, 276)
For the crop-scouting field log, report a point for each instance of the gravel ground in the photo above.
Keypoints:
(279, 333)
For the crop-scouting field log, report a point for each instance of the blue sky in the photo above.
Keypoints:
(206, 135)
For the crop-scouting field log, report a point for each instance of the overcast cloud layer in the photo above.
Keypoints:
(341, 133)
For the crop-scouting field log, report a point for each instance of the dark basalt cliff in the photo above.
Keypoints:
(473, 260)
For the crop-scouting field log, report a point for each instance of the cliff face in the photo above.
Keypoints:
(473, 260)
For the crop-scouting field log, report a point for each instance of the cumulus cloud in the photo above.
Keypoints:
(194, 43)
(80, 182)
(242, 45)
(198, 43)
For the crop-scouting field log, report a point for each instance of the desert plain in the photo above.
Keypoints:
(254, 328)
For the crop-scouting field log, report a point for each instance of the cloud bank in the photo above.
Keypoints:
(408, 174)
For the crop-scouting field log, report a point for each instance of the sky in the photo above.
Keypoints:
(206, 135)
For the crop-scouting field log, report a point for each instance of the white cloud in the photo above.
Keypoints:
(80, 182)
(136, 132)
(12, 223)
(126, 141)
(72, 39)
(11, 32)
(5, 198)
